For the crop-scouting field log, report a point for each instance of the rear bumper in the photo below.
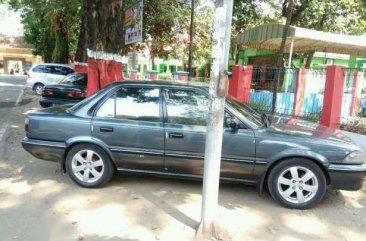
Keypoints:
(46, 150)
(347, 177)
(47, 102)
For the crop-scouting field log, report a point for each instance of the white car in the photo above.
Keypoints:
(45, 74)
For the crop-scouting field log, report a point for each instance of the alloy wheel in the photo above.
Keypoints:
(87, 166)
(297, 184)
(38, 89)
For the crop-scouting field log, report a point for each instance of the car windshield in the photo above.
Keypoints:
(246, 111)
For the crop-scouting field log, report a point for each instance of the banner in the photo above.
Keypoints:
(133, 23)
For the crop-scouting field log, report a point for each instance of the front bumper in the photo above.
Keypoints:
(347, 177)
(46, 150)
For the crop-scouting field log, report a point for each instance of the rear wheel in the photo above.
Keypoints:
(38, 88)
(297, 183)
(89, 166)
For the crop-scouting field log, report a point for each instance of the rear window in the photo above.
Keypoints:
(75, 79)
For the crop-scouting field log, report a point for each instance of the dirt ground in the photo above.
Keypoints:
(38, 202)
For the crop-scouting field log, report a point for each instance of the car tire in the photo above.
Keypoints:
(43, 105)
(38, 88)
(297, 183)
(89, 166)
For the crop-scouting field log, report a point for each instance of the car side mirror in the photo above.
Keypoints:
(233, 125)
(266, 120)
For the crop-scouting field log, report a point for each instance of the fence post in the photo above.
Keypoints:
(355, 105)
(240, 83)
(333, 93)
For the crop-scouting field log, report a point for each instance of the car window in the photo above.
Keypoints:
(229, 119)
(66, 70)
(186, 107)
(132, 103)
(57, 70)
(247, 113)
(41, 69)
(68, 79)
(81, 80)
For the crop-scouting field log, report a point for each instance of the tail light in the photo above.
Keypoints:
(26, 125)
(47, 92)
(76, 94)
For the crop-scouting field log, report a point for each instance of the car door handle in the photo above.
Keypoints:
(175, 135)
(106, 129)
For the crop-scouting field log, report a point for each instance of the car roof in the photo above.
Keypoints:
(162, 83)
(53, 64)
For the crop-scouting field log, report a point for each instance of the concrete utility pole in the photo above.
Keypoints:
(218, 91)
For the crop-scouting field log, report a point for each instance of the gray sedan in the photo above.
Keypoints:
(159, 128)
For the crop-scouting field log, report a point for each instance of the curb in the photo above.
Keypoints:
(20, 96)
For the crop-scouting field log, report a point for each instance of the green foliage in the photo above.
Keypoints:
(339, 16)
(50, 26)
(166, 24)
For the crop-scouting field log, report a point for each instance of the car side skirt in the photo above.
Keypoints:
(182, 175)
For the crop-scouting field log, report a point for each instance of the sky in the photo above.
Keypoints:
(10, 22)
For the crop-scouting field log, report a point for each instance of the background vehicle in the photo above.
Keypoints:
(44, 74)
(70, 90)
(159, 128)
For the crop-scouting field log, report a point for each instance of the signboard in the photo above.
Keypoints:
(133, 23)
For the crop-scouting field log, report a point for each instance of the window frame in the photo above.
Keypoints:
(229, 109)
(164, 103)
(114, 92)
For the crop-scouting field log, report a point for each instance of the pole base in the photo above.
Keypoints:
(211, 231)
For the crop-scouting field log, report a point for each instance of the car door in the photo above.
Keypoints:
(129, 123)
(185, 115)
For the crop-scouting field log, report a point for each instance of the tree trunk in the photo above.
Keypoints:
(237, 53)
(61, 51)
(81, 54)
(103, 27)
(309, 59)
(279, 62)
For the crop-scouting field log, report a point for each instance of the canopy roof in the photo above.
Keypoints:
(303, 40)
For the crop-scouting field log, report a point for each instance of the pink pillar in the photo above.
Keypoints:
(355, 105)
(299, 91)
(118, 71)
(240, 83)
(133, 74)
(81, 68)
(332, 103)
(93, 77)
(152, 74)
(299, 95)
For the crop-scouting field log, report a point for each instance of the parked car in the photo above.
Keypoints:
(70, 90)
(44, 74)
(159, 128)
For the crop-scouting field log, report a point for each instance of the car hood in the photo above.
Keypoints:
(311, 130)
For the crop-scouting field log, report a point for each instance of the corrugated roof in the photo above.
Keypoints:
(305, 40)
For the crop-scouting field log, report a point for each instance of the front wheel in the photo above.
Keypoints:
(89, 166)
(38, 88)
(297, 183)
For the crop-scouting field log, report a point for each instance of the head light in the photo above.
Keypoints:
(355, 157)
